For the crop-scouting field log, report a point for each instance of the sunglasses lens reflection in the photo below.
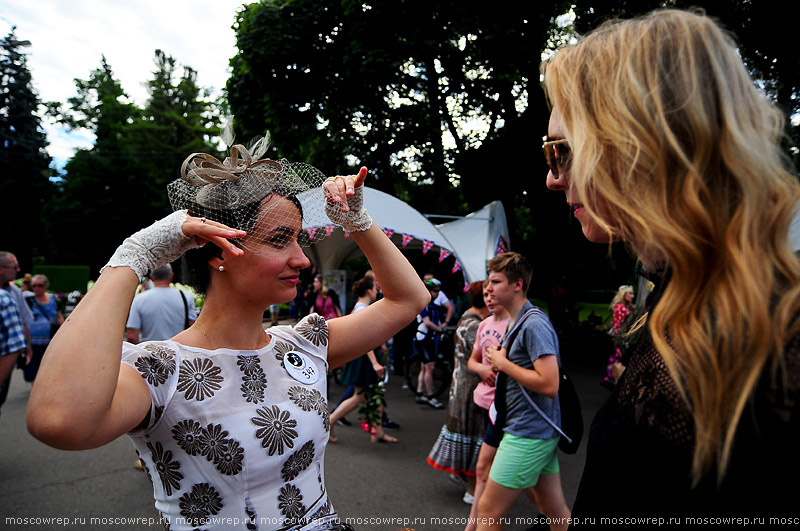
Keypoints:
(557, 153)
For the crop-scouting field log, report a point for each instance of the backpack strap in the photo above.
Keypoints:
(502, 378)
(545, 417)
(508, 340)
(511, 335)
(42, 309)
(185, 310)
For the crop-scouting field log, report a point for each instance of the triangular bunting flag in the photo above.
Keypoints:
(388, 232)
(426, 246)
(443, 253)
(311, 232)
(407, 239)
(328, 231)
(456, 267)
(346, 235)
(502, 246)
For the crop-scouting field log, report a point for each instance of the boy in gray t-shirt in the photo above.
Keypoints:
(526, 456)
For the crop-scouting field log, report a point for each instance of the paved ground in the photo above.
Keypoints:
(387, 486)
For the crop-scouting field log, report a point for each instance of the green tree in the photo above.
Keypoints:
(119, 185)
(759, 28)
(178, 119)
(98, 195)
(438, 99)
(441, 100)
(24, 164)
(409, 89)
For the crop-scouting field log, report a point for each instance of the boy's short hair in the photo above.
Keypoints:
(514, 266)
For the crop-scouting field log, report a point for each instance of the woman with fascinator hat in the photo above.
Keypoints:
(231, 422)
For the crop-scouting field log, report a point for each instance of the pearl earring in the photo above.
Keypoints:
(222, 268)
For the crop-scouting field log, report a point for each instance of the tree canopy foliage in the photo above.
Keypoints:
(760, 29)
(24, 163)
(443, 102)
(409, 88)
(119, 185)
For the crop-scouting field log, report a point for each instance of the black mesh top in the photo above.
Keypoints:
(641, 441)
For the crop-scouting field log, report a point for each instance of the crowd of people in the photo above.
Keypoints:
(658, 137)
(31, 314)
(493, 438)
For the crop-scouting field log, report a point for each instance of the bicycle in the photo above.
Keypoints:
(443, 368)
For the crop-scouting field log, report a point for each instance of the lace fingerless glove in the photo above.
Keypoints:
(356, 219)
(159, 244)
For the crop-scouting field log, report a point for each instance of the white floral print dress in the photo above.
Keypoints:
(234, 440)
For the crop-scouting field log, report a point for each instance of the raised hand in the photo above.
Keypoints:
(167, 239)
(205, 230)
(344, 201)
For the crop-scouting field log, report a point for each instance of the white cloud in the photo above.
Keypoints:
(69, 37)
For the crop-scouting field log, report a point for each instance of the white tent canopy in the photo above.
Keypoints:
(472, 239)
(476, 237)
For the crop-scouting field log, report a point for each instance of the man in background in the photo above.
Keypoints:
(442, 300)
(12, 339)
(161, 312)
(9, 269)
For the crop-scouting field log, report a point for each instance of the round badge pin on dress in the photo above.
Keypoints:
(300, 367)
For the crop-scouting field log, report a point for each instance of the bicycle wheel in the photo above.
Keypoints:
(411, 371)
(442, 375)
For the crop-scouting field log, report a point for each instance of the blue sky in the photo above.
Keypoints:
(69, 37)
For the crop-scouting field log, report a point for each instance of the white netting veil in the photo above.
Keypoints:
(257, 196)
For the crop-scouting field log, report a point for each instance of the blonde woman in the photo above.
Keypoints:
(46, 318)
(659, 137)
(621, 306)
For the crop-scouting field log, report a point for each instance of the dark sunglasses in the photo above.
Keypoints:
(557, 153)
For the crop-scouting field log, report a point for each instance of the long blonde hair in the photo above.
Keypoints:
(677, 152)
(619, 297)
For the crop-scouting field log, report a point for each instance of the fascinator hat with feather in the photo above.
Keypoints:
(241, 190)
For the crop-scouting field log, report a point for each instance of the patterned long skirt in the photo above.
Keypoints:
(456, 449)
